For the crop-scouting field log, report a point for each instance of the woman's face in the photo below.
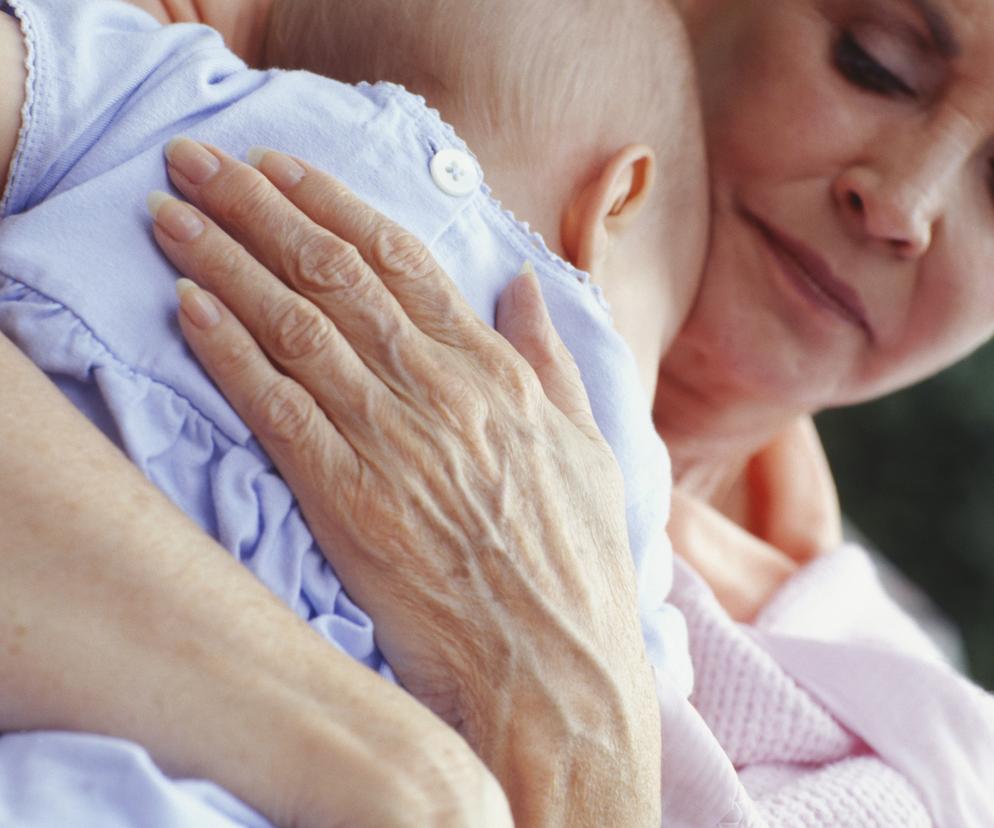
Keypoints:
(851, 146)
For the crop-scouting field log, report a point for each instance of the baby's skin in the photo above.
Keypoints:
(616, 183)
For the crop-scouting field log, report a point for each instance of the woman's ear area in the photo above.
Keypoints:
(606, 205)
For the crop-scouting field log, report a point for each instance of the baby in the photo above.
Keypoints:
(568, 113)
(571, 110)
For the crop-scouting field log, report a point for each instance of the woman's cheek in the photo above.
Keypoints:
(779, 107)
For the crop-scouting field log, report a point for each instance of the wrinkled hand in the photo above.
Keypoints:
(154, 633)
(463, 494)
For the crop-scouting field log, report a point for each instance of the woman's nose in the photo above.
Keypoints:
(896, 201)
(897, 216)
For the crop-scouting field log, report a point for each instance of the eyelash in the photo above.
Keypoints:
(860, 67)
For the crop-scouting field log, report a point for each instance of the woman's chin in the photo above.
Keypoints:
(757, 334)
(762, 362)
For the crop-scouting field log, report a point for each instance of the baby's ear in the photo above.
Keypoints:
(607, 205)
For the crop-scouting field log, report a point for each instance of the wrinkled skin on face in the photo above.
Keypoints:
(852, 238)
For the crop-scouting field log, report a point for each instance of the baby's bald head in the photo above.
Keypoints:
(548, 94)
(569, 75)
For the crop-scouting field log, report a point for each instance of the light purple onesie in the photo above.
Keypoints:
(86, 294)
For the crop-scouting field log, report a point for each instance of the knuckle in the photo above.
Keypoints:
(364, 405)
(324, 264)
(400, 257)
(233, 357)
(399, 253)
(457, 402)
(333, 197)
(284, 411)
(525, 388)
(297, 329)
(520, 376)
(219, 263)
(242, 197)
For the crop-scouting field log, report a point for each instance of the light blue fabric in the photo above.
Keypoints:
(74, 780)
(86, 294)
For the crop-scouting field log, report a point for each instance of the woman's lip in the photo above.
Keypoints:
(812, 275)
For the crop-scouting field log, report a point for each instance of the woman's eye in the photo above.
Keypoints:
(860, 67)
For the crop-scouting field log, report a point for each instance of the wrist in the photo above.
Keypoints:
(574, 745)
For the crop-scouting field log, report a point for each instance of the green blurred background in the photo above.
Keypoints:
(916, 477)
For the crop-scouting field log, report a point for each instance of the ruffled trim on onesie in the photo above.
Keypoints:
(240, 482)
(530, 244)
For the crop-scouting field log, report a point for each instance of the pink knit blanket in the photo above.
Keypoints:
(832, 709)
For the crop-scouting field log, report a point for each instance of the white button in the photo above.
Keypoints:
(454, 172)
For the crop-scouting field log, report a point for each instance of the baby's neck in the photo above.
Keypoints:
(636, 288)
(532, 192)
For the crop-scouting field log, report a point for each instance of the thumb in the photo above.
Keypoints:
(523, 320)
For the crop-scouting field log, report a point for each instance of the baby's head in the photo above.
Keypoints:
(574, 107)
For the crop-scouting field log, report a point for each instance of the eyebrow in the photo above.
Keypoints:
(939, 27)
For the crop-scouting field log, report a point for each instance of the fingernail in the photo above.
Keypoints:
(155, 200)
(255, 155)
(175, 218)
(281, 169)
(511, 298)
(193, 160)
(197, 305)
(522, 287)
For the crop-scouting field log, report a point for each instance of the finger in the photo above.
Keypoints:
(314, 262)
(523, 319)
(308, 450)
(291, 330)
(427, 294)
